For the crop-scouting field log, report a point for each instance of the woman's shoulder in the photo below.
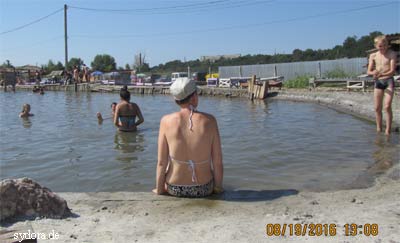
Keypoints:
(169, 117)
(207, 116)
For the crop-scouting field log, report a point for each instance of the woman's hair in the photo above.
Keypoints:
(381, 38)
(125, 95)
(186, 100)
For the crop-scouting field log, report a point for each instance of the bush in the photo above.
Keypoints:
(338, 73)
(298, 82)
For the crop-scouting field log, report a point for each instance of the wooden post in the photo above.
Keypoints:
(275, 71)
(319, 70)
(250, 89)
(263, 90)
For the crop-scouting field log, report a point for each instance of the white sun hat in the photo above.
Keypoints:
(182, 88)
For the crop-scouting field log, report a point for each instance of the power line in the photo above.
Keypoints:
(31, 23)
(215, 7)
(199, 7)
(236, 26)
(149, 9)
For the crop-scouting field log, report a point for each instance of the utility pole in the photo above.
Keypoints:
(65, 35)
(140, 61)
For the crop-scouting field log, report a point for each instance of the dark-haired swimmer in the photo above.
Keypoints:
(100, 117)
(381, 66)
(126, 113)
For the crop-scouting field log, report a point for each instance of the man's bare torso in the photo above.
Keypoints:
(382, 61)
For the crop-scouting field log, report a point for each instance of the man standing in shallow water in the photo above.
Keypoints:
(382, 66)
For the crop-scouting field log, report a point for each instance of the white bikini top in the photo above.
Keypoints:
(191, 165)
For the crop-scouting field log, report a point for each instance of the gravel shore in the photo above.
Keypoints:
(360, 104)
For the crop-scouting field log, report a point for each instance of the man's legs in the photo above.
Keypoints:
(388, 109)
(378, 95)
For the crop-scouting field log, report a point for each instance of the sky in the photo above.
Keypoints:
(32, 31)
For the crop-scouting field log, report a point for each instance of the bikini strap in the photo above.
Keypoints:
(188, 162)
(191, 166)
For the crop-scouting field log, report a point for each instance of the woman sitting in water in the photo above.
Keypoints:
(126, 113)
(189, 148)
(26, 108)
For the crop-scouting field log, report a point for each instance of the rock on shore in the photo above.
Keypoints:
(25, 197)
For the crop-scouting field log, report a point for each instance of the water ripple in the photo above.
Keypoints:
(266, 145)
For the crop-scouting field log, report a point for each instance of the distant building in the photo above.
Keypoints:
(217, 57)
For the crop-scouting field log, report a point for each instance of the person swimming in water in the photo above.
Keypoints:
(26, 108)
(189, 148)
(100, 116)
(126, 113)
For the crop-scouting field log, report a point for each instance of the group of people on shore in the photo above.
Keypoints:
(80, 76)
(77, 75)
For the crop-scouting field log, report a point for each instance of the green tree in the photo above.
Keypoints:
(351, 47)
(59, 66)
(74, 62)
(145, 68)
(52, 67)
(127, 67)
(7, 64)
(104, 63)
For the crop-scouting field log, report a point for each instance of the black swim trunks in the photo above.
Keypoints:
(384, 83)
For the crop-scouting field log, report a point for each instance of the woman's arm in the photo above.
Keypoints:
(140, 116)
(25, 114)
(162, 159)
(216, 154)
(116, 115)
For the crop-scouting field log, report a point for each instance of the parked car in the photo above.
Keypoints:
(163, 81)
(176, 75)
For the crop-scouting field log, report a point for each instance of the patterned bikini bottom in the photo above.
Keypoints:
(203, 190)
